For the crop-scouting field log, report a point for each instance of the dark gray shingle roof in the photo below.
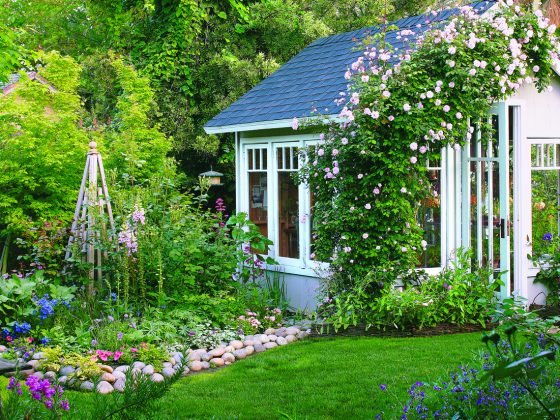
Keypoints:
(315, 76)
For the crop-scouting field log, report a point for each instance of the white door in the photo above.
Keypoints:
(486, 220)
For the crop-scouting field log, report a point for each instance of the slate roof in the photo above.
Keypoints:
(315, 76)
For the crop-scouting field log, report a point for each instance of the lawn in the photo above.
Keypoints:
(314, 379)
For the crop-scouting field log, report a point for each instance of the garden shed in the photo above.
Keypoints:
(498, 197)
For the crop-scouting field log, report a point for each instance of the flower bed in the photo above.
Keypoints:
(86, 373)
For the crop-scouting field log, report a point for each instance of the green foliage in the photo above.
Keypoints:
(152, 355)
(43, 149)
(10, 53)
(86, 366)
(459, 295)
(16, 298)
(52, 359)
(547, 258)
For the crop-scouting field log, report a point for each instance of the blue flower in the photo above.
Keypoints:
(45, 340)
(383, 387)
(547, 237)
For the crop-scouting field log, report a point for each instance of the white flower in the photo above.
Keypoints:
(403, 190)
(413, 146)
(446, 108)
(386, 93)
(424, 244)
(365, 236)
(413, 160)
(406, 107)
(295, 124)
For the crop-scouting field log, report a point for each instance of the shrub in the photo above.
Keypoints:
(457, 296)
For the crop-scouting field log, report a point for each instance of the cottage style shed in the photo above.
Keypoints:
(491, 194)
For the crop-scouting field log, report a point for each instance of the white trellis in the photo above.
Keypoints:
(91, 204)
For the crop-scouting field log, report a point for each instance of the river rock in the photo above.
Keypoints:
(228, 357)
(259, 348)
(205, 365)
(270, 345)
(217, 361)
(249, 350)
(281, 341)
(138, 365)
(39, 375)
(108, 377)
(106, 368)
(3, 349)
(217, 352)
(281, 332)
(272, 338)
(248, 343)
(172, 361)
(33, 363)
(186, 371)
(39, 356)
(204, 357)
(66, 370)
(50, 375)
(291, 338)
(168, 372)
(178, 356)
(194, 357)
(63, 379)
(104, 387)
(148, 370)
(240, 354)
(263, 338)
(119, 385)
(292, 330)
(270, 331)
(229, 349)
(119, 375)
(236, 344)
(156, 377)
(196, 366)
(123, 368)
(86, 386)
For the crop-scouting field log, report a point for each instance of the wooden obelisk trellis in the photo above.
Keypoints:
(91, 204)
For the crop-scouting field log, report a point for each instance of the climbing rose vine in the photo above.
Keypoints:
(402, 107)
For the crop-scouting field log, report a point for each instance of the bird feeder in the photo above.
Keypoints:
(214, 177)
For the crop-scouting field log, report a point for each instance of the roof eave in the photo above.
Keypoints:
(261, 125)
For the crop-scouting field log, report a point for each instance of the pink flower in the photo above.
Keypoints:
(406, 107)
(458, 115)
(360, 176)
(386, 93)
(423, 149)
(429, 94)
(320, 152)
(446, 108)
(344, 141)
(403, 249)
(376, 191)
(472, 72)
(134, 350)
(536, 69)
(375, 114)
(452, 50)
(413, 146)
(368, 206)
(335, 152)
(391, 118)
(403, 190)
(413, 160)
(365, 78)
(365, 236)
(295, 124)
(117, 355)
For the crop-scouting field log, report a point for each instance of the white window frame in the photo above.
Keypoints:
(304, 265)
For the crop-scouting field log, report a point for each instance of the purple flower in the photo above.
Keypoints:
(110, 318)
(547, 237)
(64, 405)
(192, 333)
(119, 336)
(383, 387)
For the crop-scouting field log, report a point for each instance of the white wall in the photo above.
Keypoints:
(540, 118)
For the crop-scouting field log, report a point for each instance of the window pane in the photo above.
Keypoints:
(288, 218)
(545, 190)
(429, 218)
(258, 211)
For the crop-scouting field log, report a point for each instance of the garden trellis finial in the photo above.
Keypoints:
(90, 206)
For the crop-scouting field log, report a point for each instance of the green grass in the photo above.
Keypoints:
(314, 379)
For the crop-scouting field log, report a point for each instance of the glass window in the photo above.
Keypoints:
(288, 202)
(257, 161)
(545, 192)
(429, 218)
